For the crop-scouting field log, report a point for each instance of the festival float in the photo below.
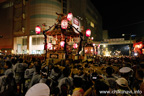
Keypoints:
(64, 38)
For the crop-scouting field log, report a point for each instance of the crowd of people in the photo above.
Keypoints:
(104, 76)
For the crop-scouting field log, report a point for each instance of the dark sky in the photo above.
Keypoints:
(122, 19)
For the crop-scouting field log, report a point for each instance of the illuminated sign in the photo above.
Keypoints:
(76, 24)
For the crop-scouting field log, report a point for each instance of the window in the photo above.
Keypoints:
(34, 41)
(24, 41)
(37, 40)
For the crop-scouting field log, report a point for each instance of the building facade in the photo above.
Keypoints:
(88, 15)
(24, 15)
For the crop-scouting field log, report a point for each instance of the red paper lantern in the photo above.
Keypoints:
(62, 43)
(37, 30)
(49, 46)
(64, 24)
(75, 45)
(88, 32)
(69, 16)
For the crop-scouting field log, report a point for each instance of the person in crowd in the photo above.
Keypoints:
(55, 73)
(127, 73)
(28, 75)
(78, 90)
(36, 77)
(66, 80)
(123, 87)
(99, 84)
(8, 67)
(19, 70)
(138, 80)
(110, 78)
(44, 76)
(1, 66)
(7, 84)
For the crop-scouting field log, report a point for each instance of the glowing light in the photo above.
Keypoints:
(75, 45)
(88, 32)
(86, 51)
(27, 51)
(62, 43)
(69, 16)
(50, 46)
(94, 44)
(64, 24)
(104, 45)
(12, 51)
(91, 50)
(37, 30)
(92, 38)
(135, 54)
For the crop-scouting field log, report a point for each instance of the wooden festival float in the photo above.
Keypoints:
(66, 41)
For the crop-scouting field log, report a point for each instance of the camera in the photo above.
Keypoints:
(94, 78)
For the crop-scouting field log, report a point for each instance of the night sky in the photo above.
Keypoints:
(120, 20)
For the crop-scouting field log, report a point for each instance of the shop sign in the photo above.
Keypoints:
(76, 24)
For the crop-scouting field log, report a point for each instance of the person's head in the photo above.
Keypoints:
(77, 82)
(44, 73)
(109, 70)
(9, 77)
(38, 68)
(8, 65)
(66, 71)
(94, 76)
(20, 60)
(122, 83)
(64, 90)
(125, 72)
(101, 85)
(56, 69)
(139, 74)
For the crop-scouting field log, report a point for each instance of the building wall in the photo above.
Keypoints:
(88, 15)
(6, 25)
(105, 34)
(43, 11)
